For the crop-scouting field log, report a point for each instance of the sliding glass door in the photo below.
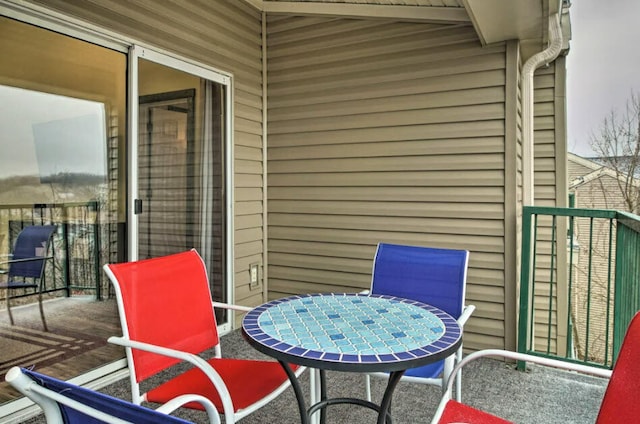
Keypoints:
(179, 185)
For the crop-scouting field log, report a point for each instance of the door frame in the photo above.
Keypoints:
(137, 52)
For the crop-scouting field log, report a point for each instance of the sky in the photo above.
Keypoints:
(50, 134)
(603, 65)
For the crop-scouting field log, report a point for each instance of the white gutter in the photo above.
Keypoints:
(534, 62)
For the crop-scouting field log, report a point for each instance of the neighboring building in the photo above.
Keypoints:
(593, 186)
(297, 135)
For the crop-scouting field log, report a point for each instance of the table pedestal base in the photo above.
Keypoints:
(384, 414)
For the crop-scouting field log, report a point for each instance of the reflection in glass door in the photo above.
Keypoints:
(180, 202)
(166, 178)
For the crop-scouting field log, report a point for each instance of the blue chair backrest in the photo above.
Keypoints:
(32, 241)
(430, 275)
(112, 406)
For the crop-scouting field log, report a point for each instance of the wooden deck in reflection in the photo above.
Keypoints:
(76, 343)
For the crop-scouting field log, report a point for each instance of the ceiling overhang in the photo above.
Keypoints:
(368, 11)
(495, 21)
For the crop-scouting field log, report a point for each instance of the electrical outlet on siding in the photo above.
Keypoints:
(254, 275)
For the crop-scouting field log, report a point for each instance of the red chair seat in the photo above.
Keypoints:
(456, 412)
(239, 375)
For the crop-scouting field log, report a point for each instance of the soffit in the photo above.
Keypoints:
(494, 20)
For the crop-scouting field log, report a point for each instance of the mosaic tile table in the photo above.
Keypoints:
(351, 332)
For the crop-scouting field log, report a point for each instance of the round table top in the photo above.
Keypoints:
(352, 332)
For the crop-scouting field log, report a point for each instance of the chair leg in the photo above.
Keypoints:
(44, 321)
(458, 376)
(9, 306)
(367, 382)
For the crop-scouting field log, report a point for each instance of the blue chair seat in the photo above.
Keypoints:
(18, 285)
(428, 371)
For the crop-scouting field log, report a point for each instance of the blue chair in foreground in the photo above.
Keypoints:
(26, 265)
(63, 402)
(430, 275)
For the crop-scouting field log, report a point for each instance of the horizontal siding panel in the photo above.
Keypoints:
(247, 180)
(478, 145)
(451, 241)
(478, 178)
(247, 235)
(248, 153)
(444, 226)
(389, 118)
(247, 193)
(242, 250)
(249, 126)
(410, 163)
(332, 33)
(387, 209)
(248, 167)
(475, 96)
(247, 207)
(310, 94)
(414, 132)
(395, 61)
(416, 193)
(242, 222)
(339, 264)
(378, 75)
(291, 57)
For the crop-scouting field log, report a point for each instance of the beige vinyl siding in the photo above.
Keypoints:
(225, 35)
(385, 132)
(550, 181)
(513, 190)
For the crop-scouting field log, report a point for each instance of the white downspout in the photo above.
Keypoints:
(534, 62)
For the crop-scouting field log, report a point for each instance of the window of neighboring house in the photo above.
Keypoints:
(63, 120)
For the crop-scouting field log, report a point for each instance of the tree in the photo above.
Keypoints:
(617, 145)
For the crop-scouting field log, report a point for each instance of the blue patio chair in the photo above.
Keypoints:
(63, 402)
(26, 265)
(434, 276)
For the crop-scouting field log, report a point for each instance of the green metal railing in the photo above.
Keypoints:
(578, 293)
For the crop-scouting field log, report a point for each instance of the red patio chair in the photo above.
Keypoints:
(618, 405)
(167, 316)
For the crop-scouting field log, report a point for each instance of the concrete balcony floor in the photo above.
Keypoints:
(540, 395)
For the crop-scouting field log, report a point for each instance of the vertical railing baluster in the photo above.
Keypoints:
(554, 223)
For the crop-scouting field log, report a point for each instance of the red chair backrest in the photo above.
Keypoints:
(166, 301)
(619, 404)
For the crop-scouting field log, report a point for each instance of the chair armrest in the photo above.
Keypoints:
(516, 356)
(231, 306)
(466, 313)
(195, 360)
(177, 402)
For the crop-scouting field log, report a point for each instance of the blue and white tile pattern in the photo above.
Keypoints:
(351, 328)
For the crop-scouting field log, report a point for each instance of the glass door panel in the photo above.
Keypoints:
(63, 118)
(180, 202)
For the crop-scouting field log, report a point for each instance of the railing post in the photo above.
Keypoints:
(96, 249)
(525, 272)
